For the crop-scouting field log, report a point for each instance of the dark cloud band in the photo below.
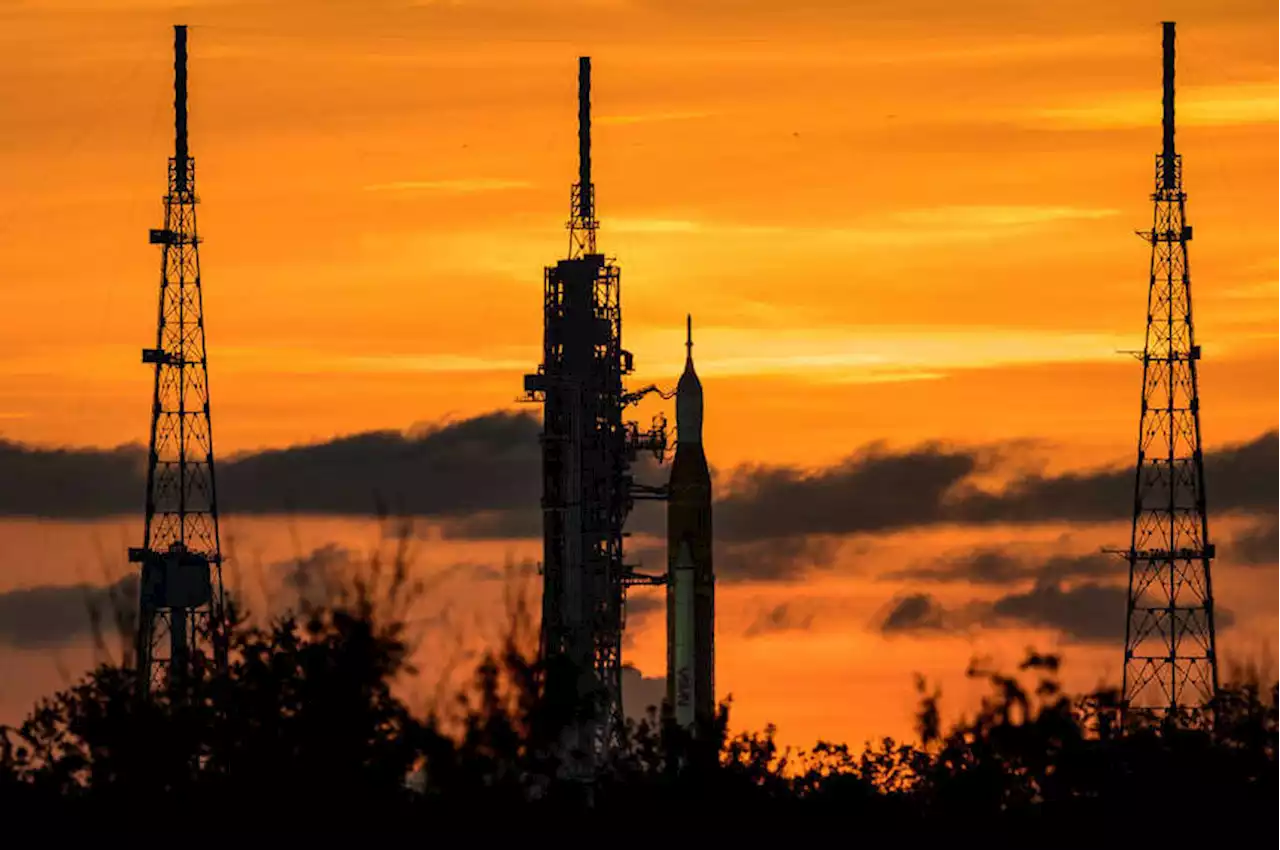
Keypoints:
(997, 566)
(1086, 613)
(480, 478)
(488, 463)
(51, 615)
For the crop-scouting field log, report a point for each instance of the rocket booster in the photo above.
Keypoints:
(690, 575)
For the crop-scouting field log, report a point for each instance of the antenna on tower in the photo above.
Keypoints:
(180, 104)
(1167, 152)
(586, 202)
(582, 219)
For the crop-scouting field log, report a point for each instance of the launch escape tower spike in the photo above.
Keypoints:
(180, 609)
(1170, 658)
(587, 452)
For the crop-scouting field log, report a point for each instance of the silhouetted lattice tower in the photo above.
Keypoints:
(587, 452)
(180, 605)
(1170, 662)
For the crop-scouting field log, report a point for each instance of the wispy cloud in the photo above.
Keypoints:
(653, 225)
(876, 354)
(474, 184)
(650, 117)
(308, 362)
(1206, 106)
(684, 225)
(887, 376)
(430, 363)
(954, 224)
(783, 617)
(930, 225)
(998, 216)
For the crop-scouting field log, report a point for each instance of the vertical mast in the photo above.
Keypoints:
(1168, 152)
(585, 200)
(180, 106)
(582, 219)
(1170, 655)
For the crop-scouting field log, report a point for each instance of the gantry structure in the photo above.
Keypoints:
(587, 485)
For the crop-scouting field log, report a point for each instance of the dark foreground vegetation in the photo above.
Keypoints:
(303, 736)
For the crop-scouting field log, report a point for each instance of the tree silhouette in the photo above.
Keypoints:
(303, 732)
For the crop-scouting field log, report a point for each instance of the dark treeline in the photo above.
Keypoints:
(303, 735)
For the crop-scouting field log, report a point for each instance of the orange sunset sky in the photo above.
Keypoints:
(900, 223)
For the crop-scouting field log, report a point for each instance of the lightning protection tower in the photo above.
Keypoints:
(587, 452)
(180, 605)
(1170, 658)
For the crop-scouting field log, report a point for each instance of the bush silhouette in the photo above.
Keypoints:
(303, 733)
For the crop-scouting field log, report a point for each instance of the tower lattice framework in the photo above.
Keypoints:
(180, 605)
(1170, 658)
(587, 452)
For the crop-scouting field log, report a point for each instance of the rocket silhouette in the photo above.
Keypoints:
(690, 575)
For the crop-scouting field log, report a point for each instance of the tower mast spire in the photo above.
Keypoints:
(1170, 655)
(180, 621)
(1168, 152)
(180, 155)
(582, 220)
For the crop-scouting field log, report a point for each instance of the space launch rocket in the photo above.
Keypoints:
(690, 576)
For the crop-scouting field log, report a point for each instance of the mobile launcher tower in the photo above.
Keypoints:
(587, 486)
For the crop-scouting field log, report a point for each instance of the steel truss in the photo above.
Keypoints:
(181, 619)
(1170, 657)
